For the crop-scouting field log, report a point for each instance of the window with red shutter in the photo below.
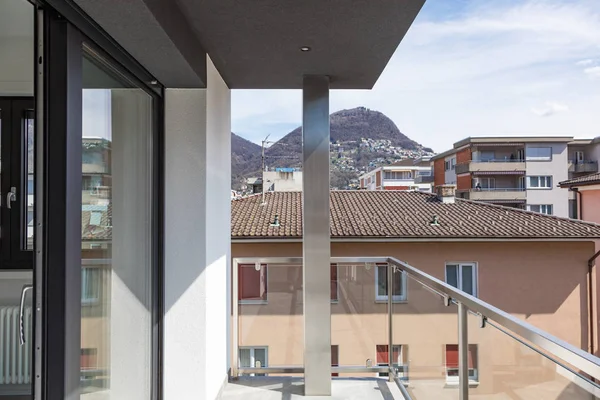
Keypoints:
(452, 363)
(252, 283)
(382, 358)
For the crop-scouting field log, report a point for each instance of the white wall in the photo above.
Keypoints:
(197, 240)
(558, 168)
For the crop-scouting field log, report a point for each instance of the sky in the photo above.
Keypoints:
(469, 68)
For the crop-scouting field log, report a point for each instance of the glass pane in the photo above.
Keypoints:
(116, 248)
(425, 328)
(452, 275)
(245, 360)
(467, 279)
(30, 168)
(273, 324)
(509, 369)
(381, 281)
(15, 360)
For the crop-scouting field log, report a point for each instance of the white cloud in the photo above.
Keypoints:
(593, 72)
(473, 73)
(549, 109)
(584, 63)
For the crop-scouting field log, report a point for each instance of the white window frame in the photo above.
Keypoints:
(395, 298)
(454, 380)
(446, 165)
(400, 361)
(453, 163)
(529, 157)
(90, 273)
(543, 208)
(475, 275)
(578, 159)
(253, 358)
(547, 182)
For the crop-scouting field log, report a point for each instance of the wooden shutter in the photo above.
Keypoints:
(382, 354)
(252, 284)
(452, 356)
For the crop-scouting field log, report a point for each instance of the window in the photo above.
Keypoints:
(335, 358)
(538, 154)
(485, 183)
(90, 285)
(446, 165)
(397, 358)
(462, 276)
(424, 173)
(252, 283)
(579, 157)
(399, 284)
(452, 363)
(398, 175)
(539, 182)
(487, 156)
(89, 358)
(253, 357)
(334, 282)
(540, 208)
(452, 163)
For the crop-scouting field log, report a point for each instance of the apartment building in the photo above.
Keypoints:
(542, 262)
(406, 174)
(520, 172)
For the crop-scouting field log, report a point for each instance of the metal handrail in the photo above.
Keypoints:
(555, 347)
(495, 190)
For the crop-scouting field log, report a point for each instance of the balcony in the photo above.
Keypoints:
(424, 179)
(583, 166)
(445, 343)
(504, 165)
(496, 194)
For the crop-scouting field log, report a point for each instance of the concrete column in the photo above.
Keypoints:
(316, 244)
(197, 240)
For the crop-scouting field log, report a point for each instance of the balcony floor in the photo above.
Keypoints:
(280, 387)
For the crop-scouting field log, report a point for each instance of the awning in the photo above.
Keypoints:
(498, 172)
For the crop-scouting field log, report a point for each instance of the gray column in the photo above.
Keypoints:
(316, 245)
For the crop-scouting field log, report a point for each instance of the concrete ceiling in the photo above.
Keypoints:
(255, 44)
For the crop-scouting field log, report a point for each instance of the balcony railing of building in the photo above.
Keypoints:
(583, 166)
(490, 194)
(424, 179)
(505, 164)
(444, 341)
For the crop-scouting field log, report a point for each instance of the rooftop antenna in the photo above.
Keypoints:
(264, 143)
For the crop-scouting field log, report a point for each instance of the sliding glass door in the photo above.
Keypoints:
(117, 238)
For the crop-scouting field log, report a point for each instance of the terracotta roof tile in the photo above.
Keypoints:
(590, 179)
(399, 214)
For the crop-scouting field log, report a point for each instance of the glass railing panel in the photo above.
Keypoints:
(270, 316)
(424, 333)
(359, 317)
(502, 367)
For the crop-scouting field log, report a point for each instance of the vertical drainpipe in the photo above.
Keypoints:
(591, 298)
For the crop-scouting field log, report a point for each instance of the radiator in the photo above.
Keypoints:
(15, 360)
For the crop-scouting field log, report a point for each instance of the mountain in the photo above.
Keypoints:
(360, 138)
(245, 159)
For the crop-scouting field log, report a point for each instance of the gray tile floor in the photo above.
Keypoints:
(287, 388)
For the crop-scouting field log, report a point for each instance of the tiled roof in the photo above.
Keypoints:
(590, 179)
(96, 222)
(397, 214)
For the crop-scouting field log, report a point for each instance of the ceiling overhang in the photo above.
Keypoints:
(257, 44)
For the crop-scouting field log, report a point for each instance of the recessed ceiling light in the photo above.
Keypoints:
(304, 48)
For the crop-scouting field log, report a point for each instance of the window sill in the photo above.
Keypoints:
(381, 301)
(89, 303)
(455, 384)
(253, 302)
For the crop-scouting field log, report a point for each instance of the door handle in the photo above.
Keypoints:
(11, 196)
(24, 291)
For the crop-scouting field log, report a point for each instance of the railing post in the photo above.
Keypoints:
(390, 293)
(463, 352)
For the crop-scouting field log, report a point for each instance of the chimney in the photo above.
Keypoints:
(446, 193)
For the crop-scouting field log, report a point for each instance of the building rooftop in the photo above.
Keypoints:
(591, 179)
(375, 215)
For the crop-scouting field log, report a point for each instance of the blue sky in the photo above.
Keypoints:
(470, 68)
